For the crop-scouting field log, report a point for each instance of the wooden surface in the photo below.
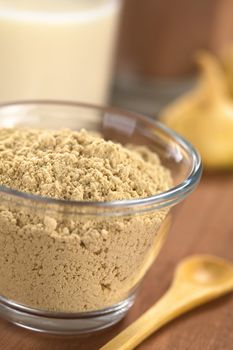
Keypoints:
(203, 224)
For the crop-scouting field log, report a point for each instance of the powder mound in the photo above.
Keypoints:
(78, 165)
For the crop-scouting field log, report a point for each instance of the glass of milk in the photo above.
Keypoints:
(57, 49)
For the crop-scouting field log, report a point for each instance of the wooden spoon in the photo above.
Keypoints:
(197, 280)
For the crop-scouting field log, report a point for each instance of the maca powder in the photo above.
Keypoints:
(56, 261)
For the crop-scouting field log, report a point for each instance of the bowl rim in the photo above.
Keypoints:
(170, 197)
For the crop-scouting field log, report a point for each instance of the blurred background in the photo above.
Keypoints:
(157, 47)
(171, 60)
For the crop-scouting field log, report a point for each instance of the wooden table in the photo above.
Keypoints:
(204, 224)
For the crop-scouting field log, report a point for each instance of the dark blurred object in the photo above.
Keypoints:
(158, 42)
(159, 38)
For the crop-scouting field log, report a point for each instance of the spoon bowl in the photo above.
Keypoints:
(205, 271)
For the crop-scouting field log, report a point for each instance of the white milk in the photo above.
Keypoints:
(57, 49)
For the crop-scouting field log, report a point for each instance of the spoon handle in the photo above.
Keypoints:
(176, 301)
(158, 315)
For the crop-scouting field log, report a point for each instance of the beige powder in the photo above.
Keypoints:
(62, 261)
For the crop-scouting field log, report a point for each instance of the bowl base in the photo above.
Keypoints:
(64, 323)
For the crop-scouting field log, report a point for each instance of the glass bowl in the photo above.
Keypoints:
(57, 280)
